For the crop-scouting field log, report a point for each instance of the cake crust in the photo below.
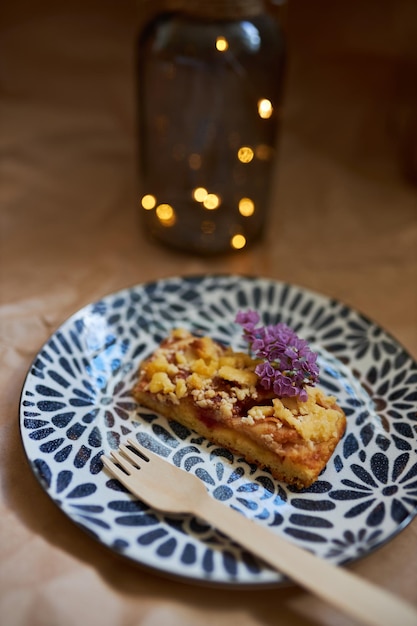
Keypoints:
(215, 391)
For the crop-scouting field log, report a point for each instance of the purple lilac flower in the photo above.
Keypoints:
(288, 364)
(248, 321)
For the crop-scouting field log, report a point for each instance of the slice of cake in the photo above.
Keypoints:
(216, 392)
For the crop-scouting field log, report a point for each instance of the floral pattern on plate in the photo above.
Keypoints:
(76, 404)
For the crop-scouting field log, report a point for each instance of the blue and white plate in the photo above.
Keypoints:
(76, 404)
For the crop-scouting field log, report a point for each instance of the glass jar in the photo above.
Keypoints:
(210, 83)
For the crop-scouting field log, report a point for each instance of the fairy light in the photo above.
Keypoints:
(245, 154)
(238, 242)
(222, 44)
(148, 202)
(246, 207)
(211, 201)
(166, 214)
(265, 108)
(200, 194)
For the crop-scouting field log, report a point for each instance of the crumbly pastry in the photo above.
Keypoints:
(215, 391)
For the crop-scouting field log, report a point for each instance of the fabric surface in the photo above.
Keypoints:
(343, 222)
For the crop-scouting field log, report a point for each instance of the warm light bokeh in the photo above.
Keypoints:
(211, 201)
(148, 201)
(200, 194)
(246, 207)
(166, 214)
(222, 44)
(238, 242)
(245, 154)
(265, 108)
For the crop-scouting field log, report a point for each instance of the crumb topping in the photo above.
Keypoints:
(212, 374)
(225, 381)
(314, 419)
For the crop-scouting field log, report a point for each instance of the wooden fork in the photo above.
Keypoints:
(163, 486)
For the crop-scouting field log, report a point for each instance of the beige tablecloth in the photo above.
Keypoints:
(343, 222)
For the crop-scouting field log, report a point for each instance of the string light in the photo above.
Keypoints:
(238, 242)
(166, 214)
(212, 201)
(265, 108)
(200, 194)
(148, 202)
(246, 207)
(222, 44)
(245, 154)
(205, 169)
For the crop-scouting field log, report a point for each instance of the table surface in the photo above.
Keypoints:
(343, 222)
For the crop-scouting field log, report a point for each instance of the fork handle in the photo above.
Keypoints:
(349, 593)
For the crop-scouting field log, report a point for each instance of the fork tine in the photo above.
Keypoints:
(144, 452)
(113, 469)
(124, 463)
(132, 456)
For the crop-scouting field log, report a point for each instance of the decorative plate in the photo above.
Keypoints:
(76, 405)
